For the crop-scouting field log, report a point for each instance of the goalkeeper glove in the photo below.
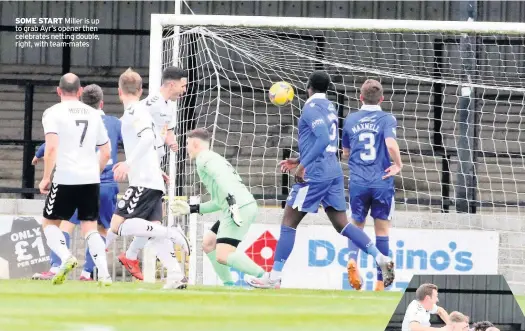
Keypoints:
(181, 207)
(234, 210)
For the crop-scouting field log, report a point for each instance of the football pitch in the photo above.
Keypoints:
(38, 305)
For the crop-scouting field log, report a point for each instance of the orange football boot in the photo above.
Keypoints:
(354, 279)
(131, 265)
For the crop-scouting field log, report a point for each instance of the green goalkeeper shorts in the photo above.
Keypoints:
(228, 229)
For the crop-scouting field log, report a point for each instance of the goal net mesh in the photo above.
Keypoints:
(458, 99)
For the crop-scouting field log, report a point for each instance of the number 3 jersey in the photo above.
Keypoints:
(318, 126)
(80, 130)
(364, 133)
(220, 179)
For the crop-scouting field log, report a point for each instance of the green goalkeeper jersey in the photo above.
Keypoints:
(220, 179)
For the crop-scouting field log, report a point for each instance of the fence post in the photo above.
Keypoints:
(28, 170)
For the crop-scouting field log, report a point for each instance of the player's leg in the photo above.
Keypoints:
(129, 220)
(165, 250)
(88, 213)
(230, 236)
(381, 210)
(209, 243)
(360, 199)
(335, 206)
(59, 205)
(108, 202)
(303, 198)
(67, 228)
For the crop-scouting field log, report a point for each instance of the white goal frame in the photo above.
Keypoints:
(159, 21)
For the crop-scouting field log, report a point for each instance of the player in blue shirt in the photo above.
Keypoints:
(92, 95)
(369, 140)
(319, 181)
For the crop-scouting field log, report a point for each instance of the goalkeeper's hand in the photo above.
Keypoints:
(234, 210)
(181, 208)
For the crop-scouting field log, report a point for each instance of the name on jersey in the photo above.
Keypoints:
(78, 111)
(365, 126)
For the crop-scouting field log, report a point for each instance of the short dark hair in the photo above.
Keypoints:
(200, 133)
(482, 326)
(92, 95)
(372, 91)
(173, 73)
(69, 83)
(425, 289)
(319, 81)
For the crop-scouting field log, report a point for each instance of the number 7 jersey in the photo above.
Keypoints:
(80, 130)
(364, 133)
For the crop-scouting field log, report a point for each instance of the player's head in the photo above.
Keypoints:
(492, 328)
(93, 96)
(482, 326)
(174, 81)
(459, 321)
(129, 85)
(371, 92)
(318, 82)
(198, 140)
(427, 295)
(69, 87)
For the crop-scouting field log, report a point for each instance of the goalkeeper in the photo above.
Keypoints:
(228, 195)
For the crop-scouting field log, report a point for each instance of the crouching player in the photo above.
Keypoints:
(92, 96)
(228, 195)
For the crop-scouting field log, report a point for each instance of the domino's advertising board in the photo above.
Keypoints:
(320, 254)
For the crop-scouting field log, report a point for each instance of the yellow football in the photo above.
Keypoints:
(281, 94)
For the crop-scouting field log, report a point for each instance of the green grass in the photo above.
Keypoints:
(38, 305)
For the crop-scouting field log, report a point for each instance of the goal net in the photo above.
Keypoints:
(455, 88)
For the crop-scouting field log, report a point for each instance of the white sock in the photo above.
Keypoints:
(57, 242)
(110, 238)
(382, 259)
(136, 245)
(97, 248)
(54, 270)
(166, 254)
(141, 228)
(275, 275)
(85, 274)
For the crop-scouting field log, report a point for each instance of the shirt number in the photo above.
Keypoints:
(370, 151)
(333, 136)
(86, 123)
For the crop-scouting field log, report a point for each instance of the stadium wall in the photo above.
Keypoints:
(453, 240)
(120, 19)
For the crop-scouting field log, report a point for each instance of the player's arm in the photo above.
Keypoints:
(393, 148)
(322, 134)
(39, 154)
(346, 142)
(442, 313)
(103, 144)
(416, 326)
(50, 154)
(171, 139)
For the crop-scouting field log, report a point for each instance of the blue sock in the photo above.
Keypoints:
(382, 246)
(360, 239)
(354, 250)
(284, 247)
(54, 259)
(90, 264)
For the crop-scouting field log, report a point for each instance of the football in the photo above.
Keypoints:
(281, 94)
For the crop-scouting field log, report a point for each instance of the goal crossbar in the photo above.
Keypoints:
(158, 20)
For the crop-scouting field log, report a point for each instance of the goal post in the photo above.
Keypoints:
(233, 60)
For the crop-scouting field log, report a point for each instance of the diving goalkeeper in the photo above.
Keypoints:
(228, 195)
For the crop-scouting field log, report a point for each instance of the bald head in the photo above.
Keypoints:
(492, 328)
(69, 84)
